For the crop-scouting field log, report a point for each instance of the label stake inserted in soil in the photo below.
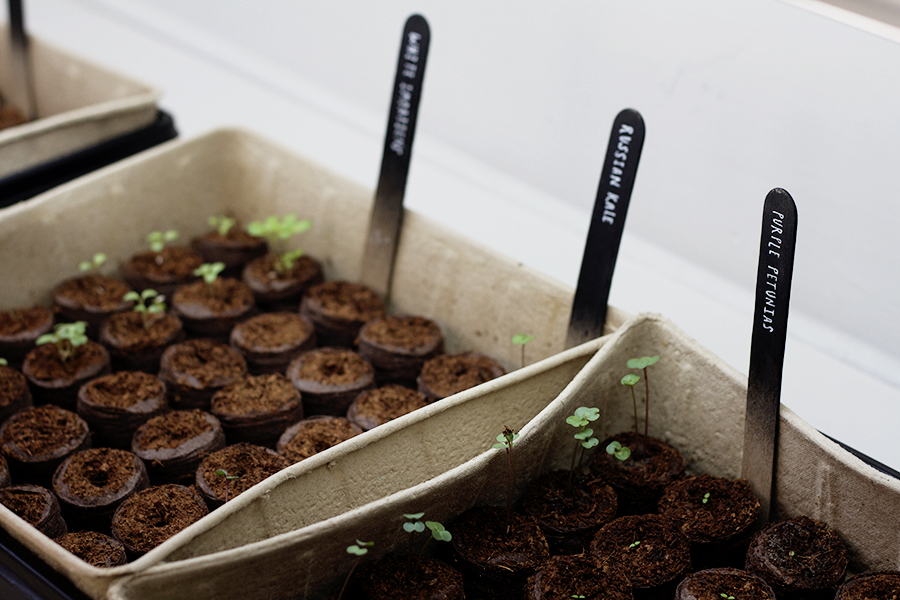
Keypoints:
(387, 213)
(773, 295)
(607, 223)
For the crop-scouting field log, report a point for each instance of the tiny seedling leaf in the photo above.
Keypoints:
(590, 443)
(630, 379)
(438, 532)
(520, 339)
(642, 363)
(414, 515)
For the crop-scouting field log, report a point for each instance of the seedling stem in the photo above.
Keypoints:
(505, 441)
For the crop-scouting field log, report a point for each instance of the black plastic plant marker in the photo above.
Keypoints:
(607, 223)
(773, 296)
(23, 76)
(387, 213)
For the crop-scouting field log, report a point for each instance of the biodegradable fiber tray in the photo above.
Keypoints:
(79, 105)
(697, 404)
(479, 298)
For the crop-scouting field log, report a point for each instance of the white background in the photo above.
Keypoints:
(738, 96)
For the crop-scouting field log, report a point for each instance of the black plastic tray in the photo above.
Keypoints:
(33, 181)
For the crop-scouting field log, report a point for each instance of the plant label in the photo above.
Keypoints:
(387, 212)
(605, 232)
(773, 294)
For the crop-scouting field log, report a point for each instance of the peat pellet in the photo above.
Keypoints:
(450, 374)
(270, 341)
(173, 444)
(162, 271)
(37, 506)
(36, 440)
(151, 516)
(279, 288)
(19, 330)
(94, 548)
(92, 483)
(90, 298)
(339, 309)
(114, 406)
(723, 582)
(380, 405)
(14, 392)
(54, 381)
(398, 346)
(313, 435)
(329, 379)
(136, 340)
(213, 309)
(257, 408)
(194, 370)
(245, 466)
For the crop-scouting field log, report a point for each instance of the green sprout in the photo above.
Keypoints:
(149, 312)
(222, 224)
(630, 380)
(277, 232)
(791, 553)
(359, 549)
(634, 544)
(414, 525)
(726, 596)
(643, 363)
(228, 479)
(209, 272)
(505, 442)
(67, 337)
(581, 419)
(705, 498)
(576, 596)
(94, 264)
(3, 362)
(158, 239)
(521, 339)
(618, 450)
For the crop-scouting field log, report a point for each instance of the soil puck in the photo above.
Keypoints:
(194, 370)
(173, 444)
(91, 298)
(339, 309)
(719, 583)
(37, 506)
(270, 341)
(880, 585)
(411, 578)
(151, 516)
(376, 407)
(94, 548)
(14, 392)
(313, 435)
(136, 341)
(277, 287)
(161, 271)
(329, 379)
(257, 408)
(20, 328)
(398, 347)
(245, 466)
(578, 576)
(53, 381)
(234, 249)
(212, 309)
(36, 440)
(114, 406)
(450, 374)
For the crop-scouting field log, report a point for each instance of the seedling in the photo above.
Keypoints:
(414, 525)
(584, 438)
(705, 498)
(210, 273)
(505, 441)
(94, 264)
(618, 450)
(67, 337)
(277, 232)
(159, 239)
(630, 380)
(643, 363)
(576, 596)
(633, 545)
(228, 479)
(726, 596)
(222, 224)
(3, 362)
(157, 305)
(359, 549)
(521, 339)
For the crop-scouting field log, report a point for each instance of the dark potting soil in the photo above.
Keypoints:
(716, 584)
(449, 374)
(5, 479)
(716, 514)
(569, 514)
(494, 563)
(578, 576)
(799, 558)
(173, 429)
(331, 367)
(124, 390)
(879, 585)
(19, 328)
(195, 369)
(250, 464)
(14, 394)
(37, 506)
(93, 293)
(649, 548)
(94, 548)
(399, 346)
(378, 406)
(344, 300)
(313, 435)
(270, 341)
(257, 408)
(639, 480)
(150, 517)
(410, 578)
